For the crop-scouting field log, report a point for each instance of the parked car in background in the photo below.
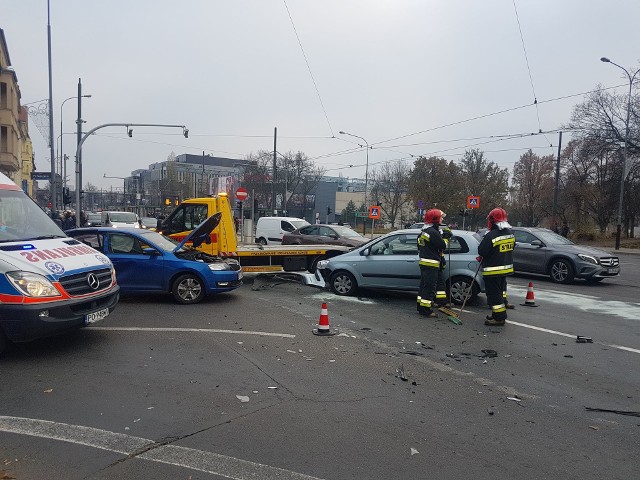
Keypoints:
(94, 219)
(148, 262)
(543, 252)
(119, 219)
(269, 230)
(390, 262)
(150, 223)
(324, 235)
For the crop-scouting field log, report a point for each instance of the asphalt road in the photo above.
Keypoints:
(238, 387)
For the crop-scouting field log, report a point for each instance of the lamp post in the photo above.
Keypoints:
(626, 141)
(124, 189)
(63, 172)
(366, 175)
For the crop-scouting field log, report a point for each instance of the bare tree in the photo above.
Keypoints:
(533, 180)
(437, 183)
(390, 184)
(484, 179)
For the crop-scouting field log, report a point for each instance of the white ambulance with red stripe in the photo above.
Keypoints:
(49, 283)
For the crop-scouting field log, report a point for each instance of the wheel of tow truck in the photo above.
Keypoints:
(561, 271)
(343, 283)
(188, 289)
(459, 287)
(261, 241)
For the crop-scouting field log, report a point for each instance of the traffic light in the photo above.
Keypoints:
(238, 204)
(66, 198)
(329, 210)
(464, 212)
(167, 201)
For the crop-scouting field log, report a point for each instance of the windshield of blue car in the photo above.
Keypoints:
(346, 232)
(550, 238)
(124, 217)
(161, 241)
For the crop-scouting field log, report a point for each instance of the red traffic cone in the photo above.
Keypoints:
(529, 301)
(323, 324)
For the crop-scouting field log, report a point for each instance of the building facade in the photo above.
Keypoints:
(16, 149)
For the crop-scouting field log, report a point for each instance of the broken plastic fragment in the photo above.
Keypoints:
(242, 398)
(515, 399)
(414, 451)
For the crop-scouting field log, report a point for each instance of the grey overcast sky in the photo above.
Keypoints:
(395, 72)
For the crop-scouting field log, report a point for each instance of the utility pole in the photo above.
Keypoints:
(202, 177)
(555, 190)
(274, 175)
(79, 155)
(52, 181)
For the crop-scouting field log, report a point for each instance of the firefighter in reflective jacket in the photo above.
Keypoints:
(430, 247)
(496, 250)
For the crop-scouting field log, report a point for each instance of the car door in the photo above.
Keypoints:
(328, 236)
(527, 257)
(136, 271)
(310, 235)
(392, 263)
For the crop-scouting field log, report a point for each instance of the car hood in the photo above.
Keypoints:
(51, 257)
(594, 251)
(201, 232)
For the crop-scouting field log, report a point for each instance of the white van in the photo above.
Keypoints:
(269, 230)
(120, 219)
(49, 283)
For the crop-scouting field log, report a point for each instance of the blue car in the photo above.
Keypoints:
(147, 262)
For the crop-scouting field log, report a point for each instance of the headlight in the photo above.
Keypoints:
(32, 284)
(218, 266)
(588, 258)
(322, 264)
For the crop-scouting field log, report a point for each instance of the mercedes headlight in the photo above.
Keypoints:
(588, 258)
(322, 264)
(218, 266)
(32, 284)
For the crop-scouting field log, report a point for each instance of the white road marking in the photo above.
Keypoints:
(208, 462)
(555, 332)
(191, 330)
(585, 303)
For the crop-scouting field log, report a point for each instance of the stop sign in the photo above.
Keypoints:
(241, 194)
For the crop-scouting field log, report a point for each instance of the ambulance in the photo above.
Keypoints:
(49, 283)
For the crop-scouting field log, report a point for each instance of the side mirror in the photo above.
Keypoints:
(152, 252)
(536, 243)
(365, 252)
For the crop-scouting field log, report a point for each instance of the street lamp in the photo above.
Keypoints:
(124, 189)
(626, 140)
(366, 173)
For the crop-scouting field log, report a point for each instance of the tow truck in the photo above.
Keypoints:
(223, 239)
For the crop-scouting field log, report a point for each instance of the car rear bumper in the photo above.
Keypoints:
(23, 323)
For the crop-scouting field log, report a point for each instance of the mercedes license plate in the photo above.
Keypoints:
(95, 316)
(613, 270)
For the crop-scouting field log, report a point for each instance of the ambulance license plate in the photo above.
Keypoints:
(95, 316)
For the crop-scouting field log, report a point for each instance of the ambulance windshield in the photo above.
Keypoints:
(21, 219)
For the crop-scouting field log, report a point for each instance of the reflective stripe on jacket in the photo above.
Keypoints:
(496, 249)
(430, 247)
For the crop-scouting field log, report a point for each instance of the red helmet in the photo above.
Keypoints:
(434, 216)
(495, 216)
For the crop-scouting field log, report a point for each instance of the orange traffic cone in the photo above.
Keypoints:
(529, 301)
(323, 324)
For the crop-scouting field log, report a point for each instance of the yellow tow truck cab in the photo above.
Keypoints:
(224, 241)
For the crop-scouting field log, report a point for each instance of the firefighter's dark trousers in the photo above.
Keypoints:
(495, 285)
(428, 286)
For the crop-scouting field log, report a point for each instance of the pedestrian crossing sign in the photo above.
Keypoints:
(374, 212)
(473, 201)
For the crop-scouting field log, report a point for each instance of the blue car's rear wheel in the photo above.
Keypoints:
(188, 289)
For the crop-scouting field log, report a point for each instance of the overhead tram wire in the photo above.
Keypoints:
(308, 67)
(499, 112)
(526, 58)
